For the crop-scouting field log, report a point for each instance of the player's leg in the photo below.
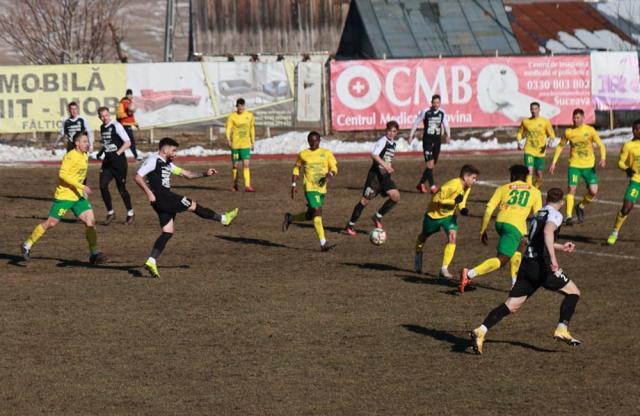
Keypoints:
(120, 175)
(393, 195)
(106, 175)
(370, 191)
(451, 228)
(168, 228)
(558, 281)
(427, 173)
(246, 170)
(235, 161)
(591, 179)
(38, 232)
(429, 227)
(84, 212)
(528, 162)
(539, 166)
(630, 198)
(514, 265)
(573, 179)
(209, 214)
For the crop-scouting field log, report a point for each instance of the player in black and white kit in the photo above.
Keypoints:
(114, 165)
(158, 169)
(435, 124)
(539, 268)
(72, 125)
(379, 179)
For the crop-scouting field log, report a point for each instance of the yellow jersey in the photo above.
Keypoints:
(443, 203)
(240, 130)
(581, 140)
(73, 172)
(516, 201)
(316, 164)
(630, 158)
(535, 131)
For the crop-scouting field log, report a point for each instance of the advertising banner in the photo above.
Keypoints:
(35, 98)
(476, 92)
(615, 82)
(309, 97)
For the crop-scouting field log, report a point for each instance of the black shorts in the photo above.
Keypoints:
(377, 183)
(431, 149)
(534, 274)
(168, 204)
(113, 167)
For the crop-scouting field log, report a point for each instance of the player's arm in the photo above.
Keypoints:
(146, 167)
(446, 195)
(228, 128)
(623, 161)
(375, 155)
(552, 246)
(462, 206)
(126, 141)
(89, 134)
(295, 175)
(488, 212)
(55, 143)
(556, 154)
(252, 131)
(416, 123)
(549, 131)
(537, 202)
(189, 174)
(603, 149)
(66, 174)
(445, 126)
(519, 135)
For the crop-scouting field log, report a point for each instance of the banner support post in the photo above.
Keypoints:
(610, 119)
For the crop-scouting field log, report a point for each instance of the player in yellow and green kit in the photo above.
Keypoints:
(535, 130)
(582, 163)
(516, 200)
(71, 195)
(319, 165)
(241, 134)
(629, 161)
(441, 214)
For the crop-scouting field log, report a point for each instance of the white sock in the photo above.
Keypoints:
(472, 273)
(110, 212)
(151, 260)
(378, 215)
(484, 329)
(513, 281)
(27, 245)
(562, 326)
(444, 269)
(130, 213)
(223, 218)
(323, 242)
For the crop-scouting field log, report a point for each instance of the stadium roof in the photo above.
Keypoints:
(421, 28)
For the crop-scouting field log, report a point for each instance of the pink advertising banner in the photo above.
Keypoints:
(476, 92)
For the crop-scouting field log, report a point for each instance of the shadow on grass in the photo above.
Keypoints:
(430, 279)
(377, 266)
(253, 241)
(13, 259)
(63, 220)
(30, 198)
(199, 187)
(337, 230)
(460, 341)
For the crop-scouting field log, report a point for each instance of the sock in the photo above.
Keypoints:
(208, 214)
(483, 329)
(246, 175)
(620, 218)
(317, 224)
(160, 244)
(496, 316)
(35, 235)
(447, 257)
(570, 202)
(300, 216)
(485, 267)
(586, 200)
(567, 308)
(92, 239)
(538, 183)
(427, 175)
(529, 180)
(110, 212)
(357, 211)
(514, 264)
(386, 207)
(130, 213)
(419, 245)
(234, 175)
(151, 260)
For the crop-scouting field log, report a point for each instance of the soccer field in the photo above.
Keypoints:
(248, 320)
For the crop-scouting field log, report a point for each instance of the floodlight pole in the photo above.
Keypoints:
(169, 27)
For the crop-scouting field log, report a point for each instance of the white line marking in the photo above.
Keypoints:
(598, 253)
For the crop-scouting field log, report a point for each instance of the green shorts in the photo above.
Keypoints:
(633, 191)
(314, 199)
(536, 162)
(60, 207)
(240, 154)
(588, 174)
(509, 239)
(431, 226)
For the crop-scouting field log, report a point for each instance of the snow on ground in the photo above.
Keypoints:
(293, 142)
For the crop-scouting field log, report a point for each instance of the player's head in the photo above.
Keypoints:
(314, 140)
(392, 129)
(555, 197)
(81, 141)
(636, 129)
(73, 109)
(578, 117)
(129, 93)
(104, 115)
(168, 148)
(535, 109)
(469, 175)
(435, 101)
(240, 104)
(518, 173)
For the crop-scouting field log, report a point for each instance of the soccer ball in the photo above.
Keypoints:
(378, 236)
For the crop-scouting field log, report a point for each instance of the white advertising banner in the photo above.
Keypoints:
(309, 97)
(615, 82)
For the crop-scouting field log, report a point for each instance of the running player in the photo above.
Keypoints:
(629, 161)
(582, 161)
(114, 165)
(379, 179)
(319, 165)
(241, 135)
(516, 200)
(71, 194)
(158, 169)
(70, 126)
(441, 215)
(536, 130)
(435, 123)
(539, 268)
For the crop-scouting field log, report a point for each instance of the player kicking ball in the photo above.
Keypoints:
(319, 165)
(71, 194)
(441, 214)
(539, 268)
(629, 161)
(157, 169)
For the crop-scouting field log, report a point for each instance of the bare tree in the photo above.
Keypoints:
(63, 31)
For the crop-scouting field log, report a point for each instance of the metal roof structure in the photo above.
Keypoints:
(421, 28)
